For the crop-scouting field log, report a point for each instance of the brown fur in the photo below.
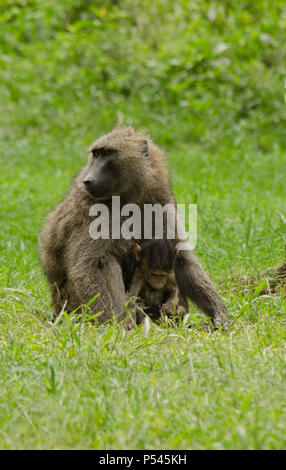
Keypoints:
(160, 295)
(79, 268)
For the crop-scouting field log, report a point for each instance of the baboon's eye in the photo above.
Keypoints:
(155, 274)
(106, 152)
(95, 153)
(103, 152)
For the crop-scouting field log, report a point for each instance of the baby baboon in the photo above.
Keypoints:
(154, 279)
(79, 268)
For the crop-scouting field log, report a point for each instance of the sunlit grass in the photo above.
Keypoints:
(207, 82)
(72, 384)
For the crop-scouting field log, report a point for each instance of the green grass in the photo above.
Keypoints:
(74, 385)
(70, 384)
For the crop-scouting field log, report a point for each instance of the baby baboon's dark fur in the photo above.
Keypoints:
(154, 280)
(79, 267)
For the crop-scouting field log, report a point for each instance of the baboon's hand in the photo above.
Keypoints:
(180, 310)
(168, 308)
(129, 325)
(171, 309)
(221, 320)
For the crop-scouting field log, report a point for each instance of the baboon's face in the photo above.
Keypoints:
(157, 279)
(103, 178)
(118, 165)
(156, 258)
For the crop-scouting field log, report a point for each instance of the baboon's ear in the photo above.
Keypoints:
(137, 252)
(145, 150)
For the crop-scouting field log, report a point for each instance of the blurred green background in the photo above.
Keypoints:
(218, 66)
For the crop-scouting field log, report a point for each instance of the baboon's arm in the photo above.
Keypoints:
(174, 296)
(172, 305)
(137, 283)
(172, 290)
(104, 280)
(195, 284)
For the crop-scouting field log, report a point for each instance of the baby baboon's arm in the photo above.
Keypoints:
(171, 306)
(137, 283)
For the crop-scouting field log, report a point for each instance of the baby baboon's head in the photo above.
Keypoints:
(156, 258)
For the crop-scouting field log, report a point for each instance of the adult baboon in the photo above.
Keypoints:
(128, 164)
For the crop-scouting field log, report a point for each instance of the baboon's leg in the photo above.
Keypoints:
(62, 299)
(106, 281)
(194, 284)
(112, 273)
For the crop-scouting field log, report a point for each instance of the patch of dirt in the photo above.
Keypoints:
(275, 282)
